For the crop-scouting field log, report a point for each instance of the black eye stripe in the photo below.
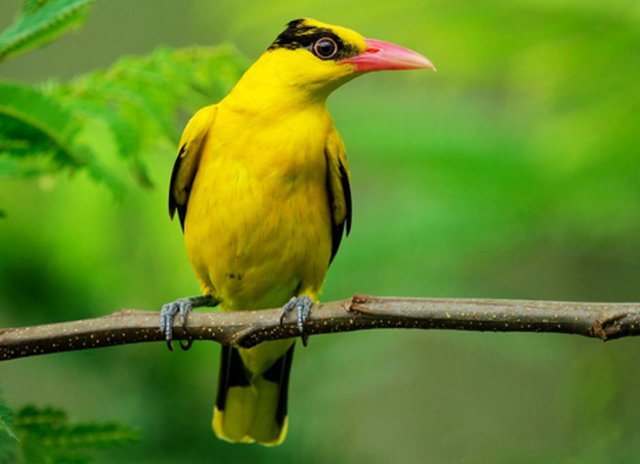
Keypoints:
(299, 35)
(304, 38)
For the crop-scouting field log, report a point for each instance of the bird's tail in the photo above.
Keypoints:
(252, 407)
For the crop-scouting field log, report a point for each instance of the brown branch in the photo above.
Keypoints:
(605, 321)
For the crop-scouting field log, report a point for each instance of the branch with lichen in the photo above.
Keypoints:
(604, 321)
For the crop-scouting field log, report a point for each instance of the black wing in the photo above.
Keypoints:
(186, 164)
(339, 190)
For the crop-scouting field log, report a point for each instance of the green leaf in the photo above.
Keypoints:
(6, 420)
(43, 134)
(29, 119)
(142, 100)
(46, 435)
(41, 21)
(33, 5)
(114, 117)
(8, 438)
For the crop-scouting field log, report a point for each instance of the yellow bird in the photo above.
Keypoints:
(261, 186)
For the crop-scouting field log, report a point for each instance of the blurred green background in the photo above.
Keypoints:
(514, 172)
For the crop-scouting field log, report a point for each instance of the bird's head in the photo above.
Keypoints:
(319, 57)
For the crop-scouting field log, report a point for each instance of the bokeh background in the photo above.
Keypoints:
(514, 172)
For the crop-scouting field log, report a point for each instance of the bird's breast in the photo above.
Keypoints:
(258, 223)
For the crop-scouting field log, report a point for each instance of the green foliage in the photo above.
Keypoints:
(107, 119)
(39, 22)
(136, 101)
(122, 113)
(45, 436)
(8, 437)
(40, 134)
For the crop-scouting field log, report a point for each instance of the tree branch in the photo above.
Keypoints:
(605, 321)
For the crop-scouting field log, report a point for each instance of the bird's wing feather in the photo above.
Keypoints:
(186, 164)
(338, 189)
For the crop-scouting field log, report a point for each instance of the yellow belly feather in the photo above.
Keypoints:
(258, 226)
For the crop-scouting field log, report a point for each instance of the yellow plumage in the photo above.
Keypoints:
(261, 185)
(258, 203)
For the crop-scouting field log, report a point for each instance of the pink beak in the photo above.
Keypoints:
(381, 55)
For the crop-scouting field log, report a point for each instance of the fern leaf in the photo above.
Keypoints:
(44, 133)
(46, 433)
(138, 98)
(8, 439)
(29, 117)
(6, 421)
(41, 21)
(32, 5)
(129, 111)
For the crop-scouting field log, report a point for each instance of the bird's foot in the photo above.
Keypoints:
(302, 306)
(181, 307)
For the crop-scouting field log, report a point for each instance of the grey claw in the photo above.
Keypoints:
(287, 308)
(302, 305)
(181, 307)
(167, 315)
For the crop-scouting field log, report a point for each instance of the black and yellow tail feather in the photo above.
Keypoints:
(252, 407)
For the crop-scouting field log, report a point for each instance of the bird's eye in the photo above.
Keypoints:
(325, 48)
